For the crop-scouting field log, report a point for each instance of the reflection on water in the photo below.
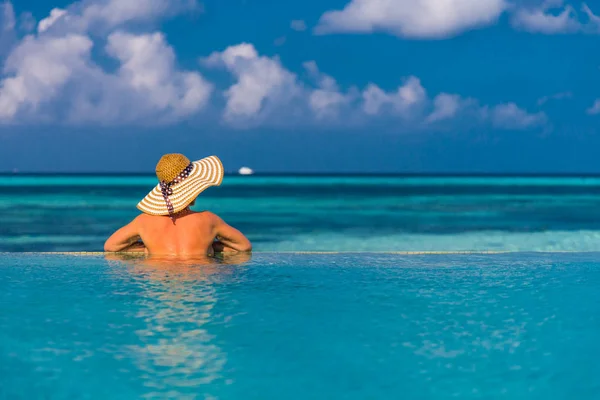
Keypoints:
(176, 351)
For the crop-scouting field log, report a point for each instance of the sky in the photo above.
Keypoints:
(392, 86)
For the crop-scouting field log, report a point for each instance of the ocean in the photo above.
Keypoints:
(320, 213)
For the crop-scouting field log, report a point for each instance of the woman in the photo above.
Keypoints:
(167, 226)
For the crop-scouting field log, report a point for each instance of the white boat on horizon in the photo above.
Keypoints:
(245, 171)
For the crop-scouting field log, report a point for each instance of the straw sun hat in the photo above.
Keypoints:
(180, 182)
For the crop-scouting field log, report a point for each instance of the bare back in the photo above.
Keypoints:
(192, 234)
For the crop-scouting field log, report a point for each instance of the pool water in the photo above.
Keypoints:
(298, 326)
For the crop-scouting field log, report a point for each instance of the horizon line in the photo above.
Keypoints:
(328, 174)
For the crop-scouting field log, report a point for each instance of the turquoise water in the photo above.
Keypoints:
(352, 326)
(343, 213)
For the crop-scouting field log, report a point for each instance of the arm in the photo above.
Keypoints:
(231, 258)
(126, 239)
(228, 238)
(136, 247)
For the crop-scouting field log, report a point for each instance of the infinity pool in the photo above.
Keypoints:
(301, 326)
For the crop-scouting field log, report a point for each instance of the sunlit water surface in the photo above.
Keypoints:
(290, 326)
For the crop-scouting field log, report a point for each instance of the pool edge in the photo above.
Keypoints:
(458, 252)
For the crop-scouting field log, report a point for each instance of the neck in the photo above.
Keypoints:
(182, 213)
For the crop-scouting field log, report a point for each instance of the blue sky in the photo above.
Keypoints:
(313, 86)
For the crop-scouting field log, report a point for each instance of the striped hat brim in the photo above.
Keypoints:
(205, 173)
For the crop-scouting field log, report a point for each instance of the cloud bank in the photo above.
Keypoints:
(264, 90)
(51, 75)
(85, 64)
(554, 17)
(412, 18)
(440, 19)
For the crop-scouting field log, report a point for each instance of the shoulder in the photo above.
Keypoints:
(209, 215)
(142, 219)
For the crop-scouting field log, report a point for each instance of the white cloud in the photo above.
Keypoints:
(558, 96)
(403, 102)
(101, 16)
(445, 106)
(431, 19)
(506, 116)
(38, 69)
(595, 108)
(228, 57)
(262, 83)
(148, 67)
(114, 13)
(52, 77)
(47, 73)
(553, 17)
(298, 25)
(593, 24)
(264, 91)
(412, 18)
(413, 106)
(542, 20)
(54, 16)
(591, 16)
(7, 28)
(326, 101)
(59, 74)
(312, 68)
(510, 116)
(8, 16)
